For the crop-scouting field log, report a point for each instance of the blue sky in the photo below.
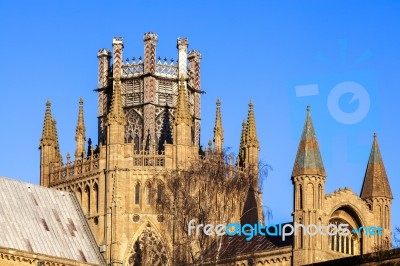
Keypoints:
(343, 54)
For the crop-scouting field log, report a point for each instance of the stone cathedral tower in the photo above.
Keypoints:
(148, 120)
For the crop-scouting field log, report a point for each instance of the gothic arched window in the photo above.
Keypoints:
(96, 197)
(159, 193)
(137, 193)
(148, 194)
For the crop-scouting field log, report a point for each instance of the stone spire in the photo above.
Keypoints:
(182, 109)
(48, 136)
(116, 111)
(308, 158)
(49, 148)
(375, 183)
(218, 130)
(251, 136)
(80, 136)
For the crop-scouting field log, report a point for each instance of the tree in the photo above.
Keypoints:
(396, 237)
(211, 190)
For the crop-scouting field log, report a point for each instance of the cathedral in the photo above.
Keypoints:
(98, 208)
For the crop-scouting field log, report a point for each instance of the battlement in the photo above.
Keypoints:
(133, 68)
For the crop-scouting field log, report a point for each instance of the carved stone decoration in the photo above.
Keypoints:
(164, 128)
(148, 249)
(133, 128)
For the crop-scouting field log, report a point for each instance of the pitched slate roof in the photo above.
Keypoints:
(238, 245)
(46, 221)
(250, 210)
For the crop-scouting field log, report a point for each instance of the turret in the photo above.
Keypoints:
(149, 109)
(80, 136)
(308, 178)
(376, 192)
(104, 57)
(118, 46)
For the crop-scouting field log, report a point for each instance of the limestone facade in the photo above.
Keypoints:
(149, 121)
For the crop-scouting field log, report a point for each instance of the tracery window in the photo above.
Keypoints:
(148, 249)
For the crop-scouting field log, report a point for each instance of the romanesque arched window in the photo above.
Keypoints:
(347, 244)
(320, 196)
(310, 196)
(387, 217)
(300, 197)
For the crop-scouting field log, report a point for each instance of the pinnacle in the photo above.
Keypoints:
(48, 135)
(116, 111)
(182, 110)
(251, 137)
(218, 130)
